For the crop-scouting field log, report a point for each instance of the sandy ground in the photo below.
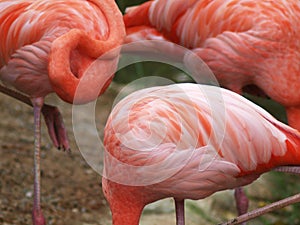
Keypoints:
(71, 189)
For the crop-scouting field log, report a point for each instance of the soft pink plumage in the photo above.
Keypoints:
(47, 46)
(185, 141)
(250, 45)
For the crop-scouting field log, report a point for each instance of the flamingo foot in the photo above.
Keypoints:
(38, 217)
(56, 127)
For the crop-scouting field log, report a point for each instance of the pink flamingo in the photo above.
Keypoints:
(250, 45)
(48, 46)
(185, 141)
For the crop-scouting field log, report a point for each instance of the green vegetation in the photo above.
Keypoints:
(123, 4)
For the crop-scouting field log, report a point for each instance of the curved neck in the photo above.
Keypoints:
(93, 74)
(116, 26)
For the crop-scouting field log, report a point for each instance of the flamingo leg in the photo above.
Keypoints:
(241, 201)
(288, 169)
(179, 206)
(37, 215)
(263, 210)
(52, 116)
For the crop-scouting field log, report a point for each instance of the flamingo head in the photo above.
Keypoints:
(81, 67)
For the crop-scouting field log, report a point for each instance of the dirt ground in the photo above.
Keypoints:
(71, 189)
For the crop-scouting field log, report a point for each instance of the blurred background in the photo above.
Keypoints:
(71, 189)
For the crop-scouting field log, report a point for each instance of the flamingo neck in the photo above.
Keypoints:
(76, 73)
(293, 115)
(125, 213)
(125, 202)
(141, 12)
(80, 67)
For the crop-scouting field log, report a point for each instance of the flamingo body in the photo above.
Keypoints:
(178, 141)
(47, 46)
(250, 46)
(50, 46)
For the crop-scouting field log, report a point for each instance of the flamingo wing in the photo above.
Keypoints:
(184, 144)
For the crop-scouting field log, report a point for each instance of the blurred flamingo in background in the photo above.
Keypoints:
(48, 46)
(185, 141)
(250, 45)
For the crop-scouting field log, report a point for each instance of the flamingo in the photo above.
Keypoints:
(250, 45)
(187, 141)
(48, 46)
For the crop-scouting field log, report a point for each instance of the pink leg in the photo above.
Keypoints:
(179, 205)
(288, 169)
(37, 214)
(241, 201)
(261, 211)
(52, 116)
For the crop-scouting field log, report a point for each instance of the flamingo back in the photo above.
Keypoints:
(192, 22)
(189, 141)
(26, 22)
(250, 46)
